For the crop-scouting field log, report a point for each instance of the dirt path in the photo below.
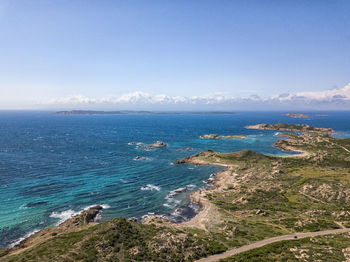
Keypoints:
(340, 224)
(269, 241)
(347, 150)
(313, 198)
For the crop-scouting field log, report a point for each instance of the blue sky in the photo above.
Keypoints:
(54, 51)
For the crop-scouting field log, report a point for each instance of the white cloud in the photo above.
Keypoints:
(340, 96)
(322, 96)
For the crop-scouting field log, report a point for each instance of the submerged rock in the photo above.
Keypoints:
(141, 158)
(184, 149)
(176, 192)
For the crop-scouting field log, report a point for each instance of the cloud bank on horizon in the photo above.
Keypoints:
(337, 98)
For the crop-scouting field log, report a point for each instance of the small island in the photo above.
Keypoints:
(158, 144)
(298, 115)
(215, 136)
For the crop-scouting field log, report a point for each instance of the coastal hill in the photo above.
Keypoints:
(256, 197)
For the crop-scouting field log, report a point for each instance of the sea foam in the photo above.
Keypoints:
(150, 187)
(15, 243)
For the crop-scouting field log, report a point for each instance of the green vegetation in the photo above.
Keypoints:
(122, 240)
(325, 248)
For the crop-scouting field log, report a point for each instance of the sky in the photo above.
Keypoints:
(175, 54)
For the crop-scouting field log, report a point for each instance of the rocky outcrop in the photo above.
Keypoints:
(86, 216)
(176, 192)
(215, 136)
(158, 144)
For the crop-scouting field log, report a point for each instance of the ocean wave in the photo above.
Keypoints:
(23, 207)
(124, 181)
(169, 205)
(104, 206)
(177, 212)
(150, 187)
(178, 191)
(64, 215)
(18, 241)
(151, 214)
(141, 158)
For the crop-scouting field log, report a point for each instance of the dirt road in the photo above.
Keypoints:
(269, 241)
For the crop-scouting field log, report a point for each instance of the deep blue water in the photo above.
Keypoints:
(52, 166)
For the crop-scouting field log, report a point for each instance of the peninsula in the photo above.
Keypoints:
(290, 127)
(254, 204)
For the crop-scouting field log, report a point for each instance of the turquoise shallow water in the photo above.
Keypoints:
(53, 166)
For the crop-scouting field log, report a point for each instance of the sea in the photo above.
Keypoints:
(54, 166)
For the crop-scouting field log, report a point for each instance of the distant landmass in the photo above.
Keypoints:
(124, 112)
(298, 115)
(91, 112)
